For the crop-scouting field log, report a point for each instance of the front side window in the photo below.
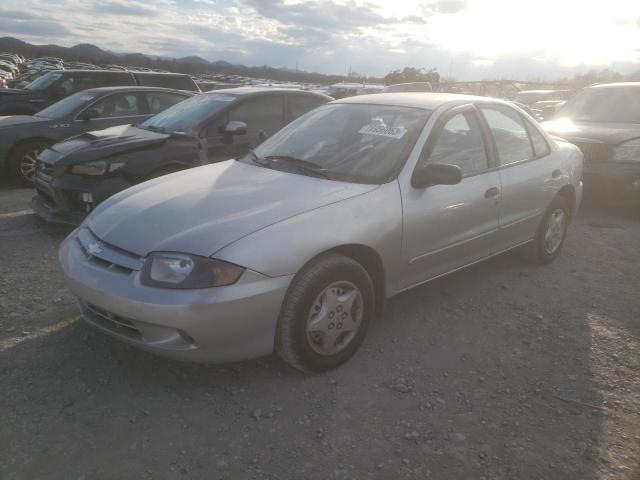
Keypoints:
(460, 143)
(352, 142)
(509, 133)
(298, 105)
(118, 105)
(604, 104)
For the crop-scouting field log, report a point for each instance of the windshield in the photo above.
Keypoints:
(45, 81)
(66, 106)
(189, 114)
(606, 104)
(351, 142)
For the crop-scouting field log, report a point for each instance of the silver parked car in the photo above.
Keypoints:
(295, 246)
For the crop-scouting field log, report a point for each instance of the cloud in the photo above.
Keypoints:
(26, 23)
(125, 8)
(446, 6)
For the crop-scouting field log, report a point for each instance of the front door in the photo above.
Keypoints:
(449, 226)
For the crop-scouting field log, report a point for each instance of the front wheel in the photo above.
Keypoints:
(325, 315)
(551, 233)
(23, 161)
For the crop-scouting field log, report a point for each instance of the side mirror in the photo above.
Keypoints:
(436, 174)
(88, 114)
(235, 127)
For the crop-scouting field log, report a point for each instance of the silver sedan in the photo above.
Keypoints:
(295, 246)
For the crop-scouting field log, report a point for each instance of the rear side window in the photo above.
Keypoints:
(114, 79)
(298, 105)
(510, 135)
(118, 105)
(260, 114)
(460, 143)
(159, 101)
(179, 82)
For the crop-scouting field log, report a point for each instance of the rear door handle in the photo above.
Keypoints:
(556, 173)
(492, 192)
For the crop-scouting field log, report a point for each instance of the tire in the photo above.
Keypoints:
(305, 338)
(22, 161)
(542, 250)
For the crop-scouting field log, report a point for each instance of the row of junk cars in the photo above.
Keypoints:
(305, 212)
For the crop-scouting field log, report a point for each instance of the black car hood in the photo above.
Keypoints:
(588, 132)
(101, 144)
(16, 120)
(12, 91)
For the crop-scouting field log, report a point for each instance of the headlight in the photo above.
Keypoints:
(628, 151)
(179, 270)
(100, 167)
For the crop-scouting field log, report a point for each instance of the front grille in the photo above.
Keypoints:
(111, 321)
(595, 152)
(106, 256)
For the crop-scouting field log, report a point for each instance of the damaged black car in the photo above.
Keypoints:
(604, 122)
(74, 176)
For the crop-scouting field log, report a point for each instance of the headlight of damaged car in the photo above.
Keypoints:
(179, 270)
(101, 167)
(628, 151)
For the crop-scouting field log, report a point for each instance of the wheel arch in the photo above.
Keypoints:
(568, 192)
(24, 141)
(370, 260)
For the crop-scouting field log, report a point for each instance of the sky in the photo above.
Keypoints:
(464, 39)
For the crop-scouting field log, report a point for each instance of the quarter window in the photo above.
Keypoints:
(509, 133)
(540, 145)
(460, 143)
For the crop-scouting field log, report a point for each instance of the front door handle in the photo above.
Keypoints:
(556, 173)
(492, 192)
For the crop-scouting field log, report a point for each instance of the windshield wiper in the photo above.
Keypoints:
(303, 165)
(153, 128)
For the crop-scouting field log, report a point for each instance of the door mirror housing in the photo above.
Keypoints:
(234, 127)
(88, 114)
(436, 174)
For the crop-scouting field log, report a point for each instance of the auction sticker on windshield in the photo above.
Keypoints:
(390, 132)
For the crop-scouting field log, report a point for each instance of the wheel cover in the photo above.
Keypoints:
(334, 318)
(29, 162)
(554, 233)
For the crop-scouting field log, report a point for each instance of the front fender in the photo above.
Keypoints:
(373, 219)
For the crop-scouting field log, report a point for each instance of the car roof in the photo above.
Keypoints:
(616, 84)
(134, 88)
(424, 100)
(241, 91)
(536, 91)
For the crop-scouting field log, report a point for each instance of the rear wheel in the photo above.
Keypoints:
(325, 314)
(23, 161)
(551, 233)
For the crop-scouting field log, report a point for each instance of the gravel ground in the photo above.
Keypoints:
(501, 371)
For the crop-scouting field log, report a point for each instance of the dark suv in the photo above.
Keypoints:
(58, 84)
(604, 121)
(74, 176)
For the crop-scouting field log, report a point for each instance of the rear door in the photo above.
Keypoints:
(117, 109)
(446, 227)
(529, 173)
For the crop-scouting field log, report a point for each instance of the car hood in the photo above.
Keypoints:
(203, 209)
(103, 143)
(15, 120)
(12, 91)
(587, 132)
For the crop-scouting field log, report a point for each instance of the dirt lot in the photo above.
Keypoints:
(502, 371)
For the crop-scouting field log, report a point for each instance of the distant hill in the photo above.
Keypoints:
(192, 64)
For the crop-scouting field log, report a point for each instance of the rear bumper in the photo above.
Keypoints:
(213, 325)
(617, 180)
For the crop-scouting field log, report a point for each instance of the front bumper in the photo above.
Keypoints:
(221, 324)
(59, 199)
(616, 180)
